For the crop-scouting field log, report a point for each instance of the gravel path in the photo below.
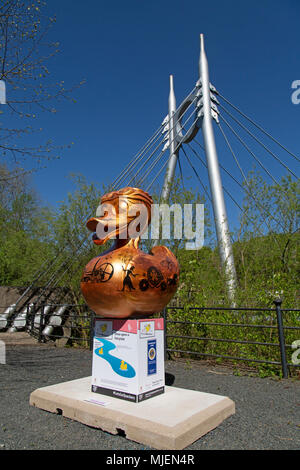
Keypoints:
(267, 411)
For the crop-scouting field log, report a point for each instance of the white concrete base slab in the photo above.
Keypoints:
(172, 420)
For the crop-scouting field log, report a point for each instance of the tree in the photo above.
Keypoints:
(24, 57)
(267, 247)
(25, 239)
(270, 207)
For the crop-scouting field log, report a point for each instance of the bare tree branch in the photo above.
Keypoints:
(24, 55)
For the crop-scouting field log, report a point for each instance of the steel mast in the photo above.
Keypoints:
(173, 129)
(220, 215)
(172, 142)
(170, 125)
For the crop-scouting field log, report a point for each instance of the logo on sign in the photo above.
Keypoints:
(147, 329)
(152, 369)
(103, 328)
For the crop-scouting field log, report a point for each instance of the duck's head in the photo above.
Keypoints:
(121, 214)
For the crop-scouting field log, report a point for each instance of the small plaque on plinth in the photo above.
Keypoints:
(128, 358)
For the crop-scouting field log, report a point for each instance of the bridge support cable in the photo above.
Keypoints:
(176, 149)
(223, 186)
(247, 187)
(197, 175)
(249, 150)
(258, 127)
(254, 156)
(133, 161)
(205, 165)
(142, 160)
(176, 145)
(243, 212)
(258, 141)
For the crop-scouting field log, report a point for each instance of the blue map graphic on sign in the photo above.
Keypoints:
(119, 366)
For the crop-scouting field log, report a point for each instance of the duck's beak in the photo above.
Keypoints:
(92, 226)
(92, 223)
(109, 229)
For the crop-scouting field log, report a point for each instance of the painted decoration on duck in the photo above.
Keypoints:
(124, 281)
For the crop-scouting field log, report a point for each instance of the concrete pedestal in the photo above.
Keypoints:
(172, 420)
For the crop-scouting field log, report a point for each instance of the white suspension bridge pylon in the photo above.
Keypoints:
(178, 131)
(206, 111)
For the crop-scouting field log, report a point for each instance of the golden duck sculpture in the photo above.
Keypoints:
(124, 281)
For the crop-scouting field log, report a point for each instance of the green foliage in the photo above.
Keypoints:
(24, 231)
(20, 257)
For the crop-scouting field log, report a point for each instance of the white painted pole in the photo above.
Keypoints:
(220, 215)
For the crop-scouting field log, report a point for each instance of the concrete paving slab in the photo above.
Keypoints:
(170, 421)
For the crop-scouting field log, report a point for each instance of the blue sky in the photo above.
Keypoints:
(126, 52)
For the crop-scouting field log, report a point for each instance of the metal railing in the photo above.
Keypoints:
(252, 335)
(261, 332)
(51, 322)
(72, 322)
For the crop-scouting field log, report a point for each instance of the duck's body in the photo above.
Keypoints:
(128, 282)
(125, 281)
